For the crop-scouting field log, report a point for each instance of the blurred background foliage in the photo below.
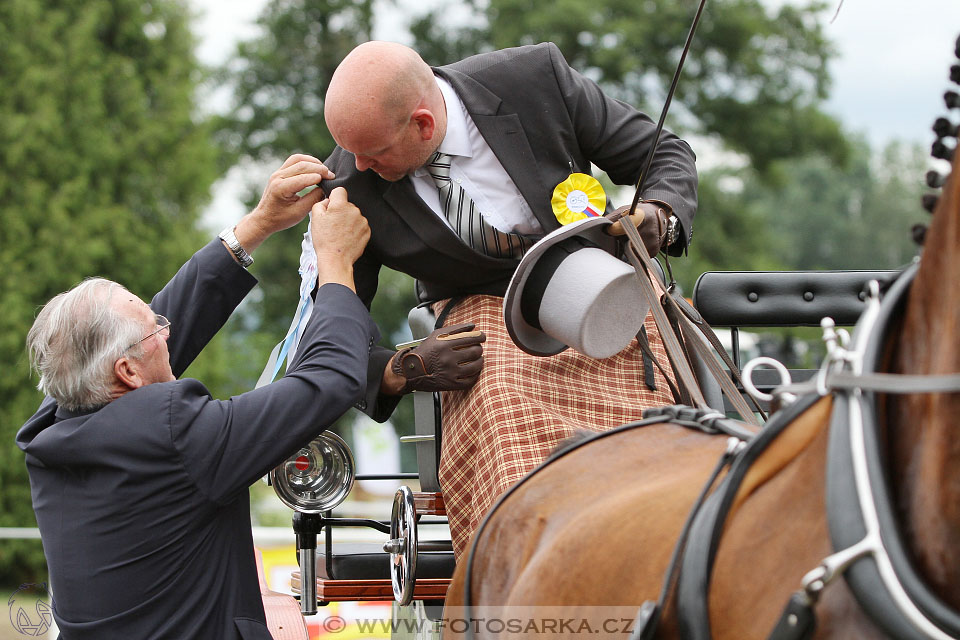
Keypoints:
(107, 158)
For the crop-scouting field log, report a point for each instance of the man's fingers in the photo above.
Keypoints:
(470, 371)
(466, 336)
(295, 184)
(469, 353)
(616, 229)
(465, 350)
(320, 208)
(338, 197)
(455, 331)
(316, 196)
(298, 157)
(302, 166)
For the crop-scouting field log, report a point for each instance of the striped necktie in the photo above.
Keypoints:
(465, 218)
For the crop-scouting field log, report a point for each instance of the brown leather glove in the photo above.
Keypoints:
(650, 219)
(449, 358)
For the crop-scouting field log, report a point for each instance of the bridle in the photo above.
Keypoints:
(870, 551)
(868, 548)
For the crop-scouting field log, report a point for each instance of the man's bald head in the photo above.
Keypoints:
(377, 92)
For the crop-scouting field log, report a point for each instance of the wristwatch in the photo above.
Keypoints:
(673, 230)
(244, 258)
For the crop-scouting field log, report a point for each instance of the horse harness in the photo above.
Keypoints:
(709, 422)
(869, 550)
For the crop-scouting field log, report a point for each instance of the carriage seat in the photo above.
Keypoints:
(367, 561)
(737, 299)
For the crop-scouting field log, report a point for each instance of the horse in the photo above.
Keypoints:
(625, 518)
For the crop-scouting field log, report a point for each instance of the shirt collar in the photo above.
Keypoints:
(456, 141)
(66, 414)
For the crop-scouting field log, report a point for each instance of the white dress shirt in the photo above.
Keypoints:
(478, 171)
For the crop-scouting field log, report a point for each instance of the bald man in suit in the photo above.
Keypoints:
(511, 125)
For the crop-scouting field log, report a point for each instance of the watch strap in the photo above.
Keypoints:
(230, 238)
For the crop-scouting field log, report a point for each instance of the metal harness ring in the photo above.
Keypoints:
(752, 389)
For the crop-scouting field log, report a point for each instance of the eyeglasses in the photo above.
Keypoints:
(163, 328)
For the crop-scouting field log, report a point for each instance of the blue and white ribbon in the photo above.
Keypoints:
(286, 348)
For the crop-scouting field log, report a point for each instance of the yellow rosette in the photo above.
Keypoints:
(579, 196)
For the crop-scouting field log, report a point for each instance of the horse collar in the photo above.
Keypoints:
(870, 551)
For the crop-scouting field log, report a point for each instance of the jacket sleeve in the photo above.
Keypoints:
(199, 299)
(617, 138)
(227, 445)
(366, 275)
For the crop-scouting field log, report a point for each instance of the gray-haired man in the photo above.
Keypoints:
(139, 480)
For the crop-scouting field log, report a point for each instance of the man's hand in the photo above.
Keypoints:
(339, 233)
(449, 358)
(280, 207)
(651, 221)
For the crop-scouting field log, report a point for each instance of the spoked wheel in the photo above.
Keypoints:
(402, 546)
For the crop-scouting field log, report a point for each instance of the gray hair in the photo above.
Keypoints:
(75, 341)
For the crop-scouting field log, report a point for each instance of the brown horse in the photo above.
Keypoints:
(594, 530)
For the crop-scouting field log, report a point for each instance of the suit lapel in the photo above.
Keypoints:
(505, 135)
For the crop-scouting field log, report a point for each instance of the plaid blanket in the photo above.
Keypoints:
(523, 406)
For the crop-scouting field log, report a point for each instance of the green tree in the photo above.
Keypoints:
(754, 78)
(813, 215)
(727, 234)
(103, 171)
(278, 81)
(857, 217)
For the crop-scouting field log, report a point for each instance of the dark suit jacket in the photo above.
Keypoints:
(544, 121)
(143, 506)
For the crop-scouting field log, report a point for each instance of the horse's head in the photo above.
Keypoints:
(923, 445)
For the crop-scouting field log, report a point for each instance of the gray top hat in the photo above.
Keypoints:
(570, 291)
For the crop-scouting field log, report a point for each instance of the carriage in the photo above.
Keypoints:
(696, 550)
(414, 573)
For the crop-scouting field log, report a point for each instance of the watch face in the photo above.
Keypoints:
(672, 229)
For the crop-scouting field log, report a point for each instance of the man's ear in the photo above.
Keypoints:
(426, 123)
(128, 373)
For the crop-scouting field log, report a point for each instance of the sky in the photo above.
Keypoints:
(888, 79)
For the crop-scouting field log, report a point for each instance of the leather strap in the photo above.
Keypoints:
(648, 354)
(679, 358)
(901, 383)
(707, 331)
(706, 356)
(637, 254)
(798, 620)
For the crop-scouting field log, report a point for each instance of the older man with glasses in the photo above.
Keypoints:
(139, 480)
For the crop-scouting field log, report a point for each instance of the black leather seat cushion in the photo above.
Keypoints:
(368, 561)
